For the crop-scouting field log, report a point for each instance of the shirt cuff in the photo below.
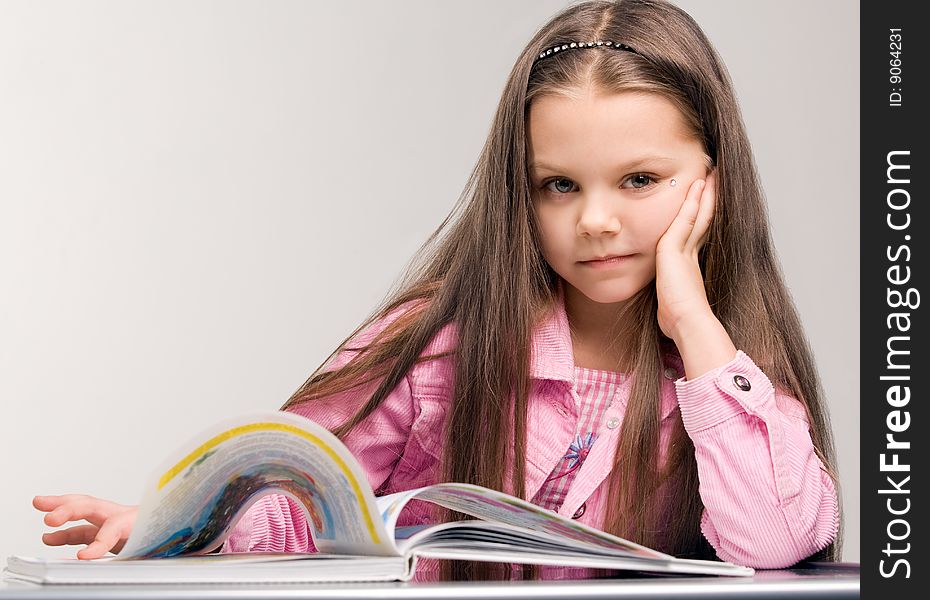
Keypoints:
(719, 394)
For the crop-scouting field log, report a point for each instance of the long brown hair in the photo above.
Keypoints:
(483, 269)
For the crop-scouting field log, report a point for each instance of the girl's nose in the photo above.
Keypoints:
(599, 216)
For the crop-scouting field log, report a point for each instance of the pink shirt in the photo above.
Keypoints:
(596, 389)
(768, 501)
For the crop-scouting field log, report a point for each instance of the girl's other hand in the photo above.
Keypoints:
(111, 523)
(679, 280)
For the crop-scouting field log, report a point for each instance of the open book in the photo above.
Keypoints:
(198, 494)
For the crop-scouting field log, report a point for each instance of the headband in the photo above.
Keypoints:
(560, 47)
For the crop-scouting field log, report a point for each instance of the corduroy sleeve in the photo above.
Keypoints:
(768, 500)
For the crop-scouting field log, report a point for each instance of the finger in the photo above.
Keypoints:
(78, 507)
(63, 514)
(47, 503)
(681, 226)
(60, 516)
(119, 545)
(80, 534)
(127, 522)
(107, 537)
(94, 550)
(705, 214)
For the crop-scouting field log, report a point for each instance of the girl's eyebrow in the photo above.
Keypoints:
(633, 164)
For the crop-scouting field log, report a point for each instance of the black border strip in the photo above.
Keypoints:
(895, 367)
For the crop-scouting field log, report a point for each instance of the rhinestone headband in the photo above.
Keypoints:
(570, 45)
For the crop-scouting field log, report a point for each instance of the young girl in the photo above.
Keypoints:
(602, 329)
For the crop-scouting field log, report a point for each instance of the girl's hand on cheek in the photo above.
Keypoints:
(679, 281)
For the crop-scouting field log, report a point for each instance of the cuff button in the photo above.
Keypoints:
(741, 382)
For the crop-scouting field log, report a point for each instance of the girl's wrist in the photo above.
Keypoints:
(704, 344)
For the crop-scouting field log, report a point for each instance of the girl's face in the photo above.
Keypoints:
(601, 168)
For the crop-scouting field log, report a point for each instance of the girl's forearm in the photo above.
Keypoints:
(704, 345)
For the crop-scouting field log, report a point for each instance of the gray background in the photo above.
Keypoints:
(199, 200)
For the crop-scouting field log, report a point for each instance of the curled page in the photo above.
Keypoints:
(197, 495)
(499, 507)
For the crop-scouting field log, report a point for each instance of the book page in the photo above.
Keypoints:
(500, 542)
(197, 495)
(495, 506)
(390, 505)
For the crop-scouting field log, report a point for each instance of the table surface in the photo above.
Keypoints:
(807, 580)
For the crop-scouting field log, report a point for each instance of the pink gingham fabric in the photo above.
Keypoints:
(596, 390)
(768, 502)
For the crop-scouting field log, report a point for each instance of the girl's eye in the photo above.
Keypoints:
(640, 180)
(556, 180)
(637, 181)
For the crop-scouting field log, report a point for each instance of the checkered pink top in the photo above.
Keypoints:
(596, 389)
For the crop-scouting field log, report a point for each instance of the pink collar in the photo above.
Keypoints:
(551, 355)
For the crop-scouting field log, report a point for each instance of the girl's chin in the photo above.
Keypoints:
(608, 294)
